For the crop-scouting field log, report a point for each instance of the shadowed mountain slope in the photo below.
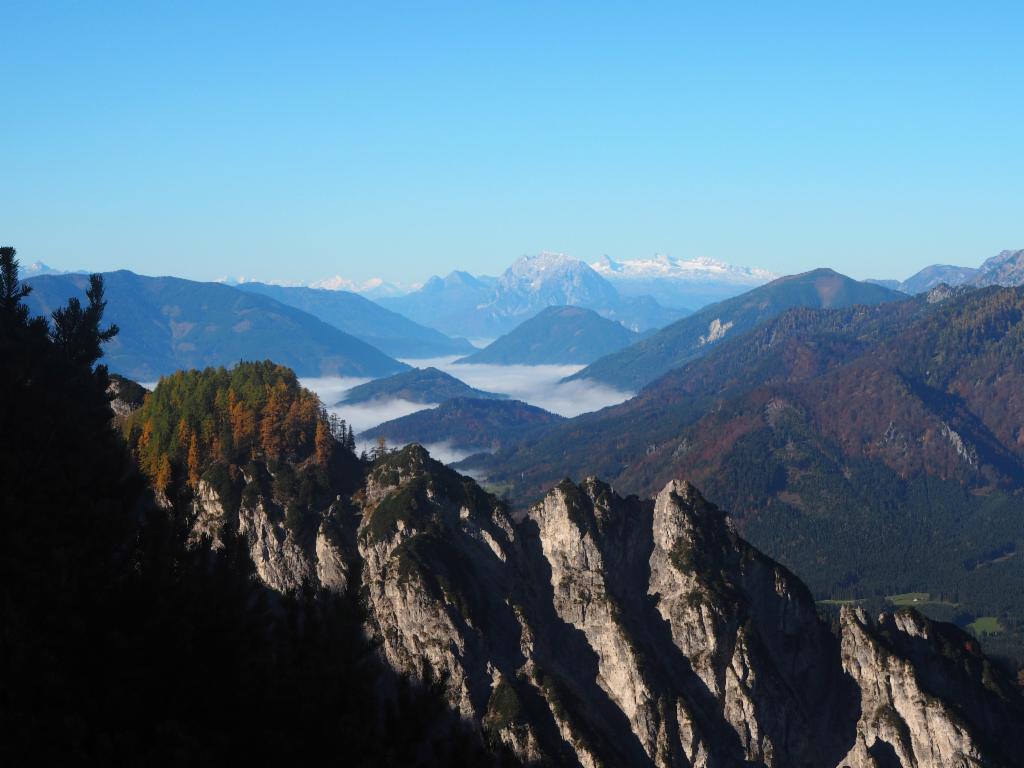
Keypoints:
(388, 331)
(556, 335)
(693, 336)
(467, 424)
(169, 324)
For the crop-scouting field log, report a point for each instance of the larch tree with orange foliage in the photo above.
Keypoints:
(323, 443)
(193, 461)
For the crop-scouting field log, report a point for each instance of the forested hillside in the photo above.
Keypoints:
(696, 335)
(170, 324)
(875, 450)
(467, 423)
(388, 331)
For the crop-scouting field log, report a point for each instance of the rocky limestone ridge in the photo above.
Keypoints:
(604, 631)
(285, 555)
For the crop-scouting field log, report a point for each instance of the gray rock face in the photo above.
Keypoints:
(895, 711)
(605, 631)
(284, 559)
(1005, 268)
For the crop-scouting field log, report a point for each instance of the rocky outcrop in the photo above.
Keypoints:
(126, 397)
(285, 556)
(602, 631)
(928, 697)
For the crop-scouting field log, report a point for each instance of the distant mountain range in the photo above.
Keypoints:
(471, 424)
(482, 307)
(556, 335)
(928, 278)
(1005, 268)
(693, 336)
(675, 282)
(389, 331)
(373, 288)
(447, 303)
(168, 324)
(420, 385)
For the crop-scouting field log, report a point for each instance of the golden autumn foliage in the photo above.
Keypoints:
(194, 418)
(193, 461)
(323, 443)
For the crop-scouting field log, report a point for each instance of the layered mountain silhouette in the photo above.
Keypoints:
(464, 305)
(556, 335)
(420, 385)
(467, 423)
(169, 323)
(1005, 268)
(693, 336)
(389, 331)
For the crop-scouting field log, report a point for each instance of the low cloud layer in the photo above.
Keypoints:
(538, 385)
(330, 389)
(361, 416)
(444, 452)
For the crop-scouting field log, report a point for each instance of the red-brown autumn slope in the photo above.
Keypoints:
(875, 450)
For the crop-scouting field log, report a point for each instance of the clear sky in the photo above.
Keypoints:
(293, 141)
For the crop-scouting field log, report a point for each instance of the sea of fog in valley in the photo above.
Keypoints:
(539, 385)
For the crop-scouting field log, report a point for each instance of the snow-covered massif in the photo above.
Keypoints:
(39, 268)
(700, 269)
(550, 279)
(675, 282)
(375, 287)
(488, 307)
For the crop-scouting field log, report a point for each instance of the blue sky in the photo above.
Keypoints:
(294, 141)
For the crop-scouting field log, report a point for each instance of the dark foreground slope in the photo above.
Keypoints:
(169, 323)
(123, 642)
(695, 335)
(876, 450)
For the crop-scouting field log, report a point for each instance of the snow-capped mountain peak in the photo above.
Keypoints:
(535, 269)
(372, 288)
(553, 278)
(697, 269)
(39, 268)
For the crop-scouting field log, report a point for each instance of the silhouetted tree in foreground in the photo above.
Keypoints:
(120, 644)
